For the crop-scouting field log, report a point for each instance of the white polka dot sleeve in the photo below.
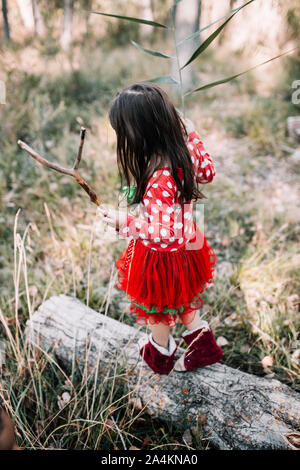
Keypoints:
(203, 164)
(156, 221)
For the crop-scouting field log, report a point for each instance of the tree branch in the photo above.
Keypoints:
(67, 171)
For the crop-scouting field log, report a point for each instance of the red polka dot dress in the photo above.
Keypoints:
(168, 262)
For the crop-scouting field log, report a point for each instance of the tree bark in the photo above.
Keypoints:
(187, 19)
(67, 31)
(5, 21)
(147, 14)
(38, 18)
(237, 410)
(26, 11)
(196, 26)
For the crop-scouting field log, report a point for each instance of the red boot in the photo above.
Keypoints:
(202, 349)
(159, 359)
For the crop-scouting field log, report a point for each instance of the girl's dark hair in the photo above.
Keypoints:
(148, 126)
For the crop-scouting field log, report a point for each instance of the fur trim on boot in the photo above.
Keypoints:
(158, 358)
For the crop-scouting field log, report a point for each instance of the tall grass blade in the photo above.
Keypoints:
(149, 51)
(228, 79)
(197, 33)
(130, 18)
(166, 79)
(211, 38)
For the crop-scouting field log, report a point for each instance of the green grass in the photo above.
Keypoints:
(263, 120)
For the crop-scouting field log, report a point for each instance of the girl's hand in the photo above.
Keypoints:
(112, 217)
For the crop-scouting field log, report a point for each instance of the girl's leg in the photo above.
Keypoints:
(160, 334)
(196, 323)
(158, 349)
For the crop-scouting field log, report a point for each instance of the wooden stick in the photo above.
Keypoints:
(67, 171)
(82, 137)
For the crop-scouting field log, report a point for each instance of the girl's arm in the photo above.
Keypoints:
(203, 164)
(158, 224)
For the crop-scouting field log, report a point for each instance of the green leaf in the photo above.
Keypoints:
(210, 38)
(167, 79)
(149, 51)
(197, 33)
(130, 18)
(228, 79)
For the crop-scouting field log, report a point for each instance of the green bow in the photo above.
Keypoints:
(129, 193)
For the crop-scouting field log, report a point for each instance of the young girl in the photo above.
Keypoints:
(168, 262)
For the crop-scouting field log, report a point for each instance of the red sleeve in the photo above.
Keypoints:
(156, 218)
(203, 164)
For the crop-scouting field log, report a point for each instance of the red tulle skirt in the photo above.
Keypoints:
(165, 286)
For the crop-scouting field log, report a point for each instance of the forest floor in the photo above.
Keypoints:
(51, 242)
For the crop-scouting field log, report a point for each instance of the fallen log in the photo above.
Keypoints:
(237, 410)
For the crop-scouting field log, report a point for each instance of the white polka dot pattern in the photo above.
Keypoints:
(203, 165)
(164, 222)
